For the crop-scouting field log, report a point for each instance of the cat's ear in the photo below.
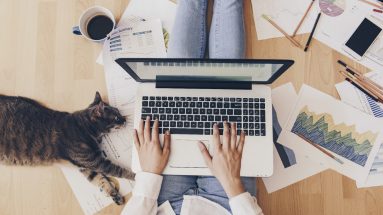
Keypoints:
(97, 98)
(97, 111)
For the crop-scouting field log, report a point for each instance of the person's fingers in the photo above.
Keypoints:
(233, 139)
(136, 140)
(147, 130)
(141, 132)
(155, 135)
(226, 136)
(216, 138)
(205, 154)
(167, 140)
(241, 142)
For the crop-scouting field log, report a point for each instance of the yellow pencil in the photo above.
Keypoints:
(282, 31)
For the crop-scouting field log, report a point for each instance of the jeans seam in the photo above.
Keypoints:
(203, 31)
(217, 27)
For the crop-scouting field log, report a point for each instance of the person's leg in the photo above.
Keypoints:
(210, 188)
(227, 31)
(188, 37)
(174, 187)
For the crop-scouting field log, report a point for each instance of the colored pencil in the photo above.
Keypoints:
(363, 90)
(321, 149)
(378, 96)
(378, 11)
(351, 79)
(282, 31)
(361, 76)
(372, 4)
(303, 18)
(312, 32)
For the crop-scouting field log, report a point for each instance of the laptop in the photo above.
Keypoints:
(189, 95)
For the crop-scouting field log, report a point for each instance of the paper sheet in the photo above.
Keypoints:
(356, 98)
(284, 98)
(164, 10)
(350, 135)
(335, 31)
(143, 39)
(286, 14)
(117, 148)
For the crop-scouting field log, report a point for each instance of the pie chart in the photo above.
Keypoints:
(332, 7)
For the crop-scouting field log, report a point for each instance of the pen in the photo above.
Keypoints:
(312, 32)
(359, 75)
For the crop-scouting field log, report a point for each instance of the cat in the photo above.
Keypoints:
(32, 134)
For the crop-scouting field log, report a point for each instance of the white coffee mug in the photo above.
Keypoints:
(87, 16)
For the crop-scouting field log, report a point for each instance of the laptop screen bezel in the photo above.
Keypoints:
(285, 65)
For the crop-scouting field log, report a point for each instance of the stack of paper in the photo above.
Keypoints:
(333, 30)
(356, 98)
(350, 135)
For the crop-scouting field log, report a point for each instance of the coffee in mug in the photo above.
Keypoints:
(95, 24)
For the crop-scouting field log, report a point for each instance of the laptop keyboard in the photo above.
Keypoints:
(196, 115)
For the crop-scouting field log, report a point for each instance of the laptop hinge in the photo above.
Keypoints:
(205, 82)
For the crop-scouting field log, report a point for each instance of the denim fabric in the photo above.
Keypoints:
(227, 33)
(188, 38)
(174, 187)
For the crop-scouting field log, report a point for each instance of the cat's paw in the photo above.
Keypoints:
(117, 198)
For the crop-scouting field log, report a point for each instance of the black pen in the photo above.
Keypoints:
(363, 90)
(312, 32)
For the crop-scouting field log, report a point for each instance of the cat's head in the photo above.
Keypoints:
(103, 115)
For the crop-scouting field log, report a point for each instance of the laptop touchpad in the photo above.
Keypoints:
(186, 154)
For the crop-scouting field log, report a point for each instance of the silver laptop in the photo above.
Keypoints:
(189, 95)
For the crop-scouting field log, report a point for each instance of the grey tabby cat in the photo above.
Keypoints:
(32, 134)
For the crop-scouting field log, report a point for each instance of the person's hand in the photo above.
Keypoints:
(152, 157)
(226, 162)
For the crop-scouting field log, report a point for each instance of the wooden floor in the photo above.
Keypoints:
(41, 59)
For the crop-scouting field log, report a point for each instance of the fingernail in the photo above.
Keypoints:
(148, 117)
(167, 132)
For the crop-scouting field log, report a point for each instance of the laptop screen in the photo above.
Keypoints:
(255, 71)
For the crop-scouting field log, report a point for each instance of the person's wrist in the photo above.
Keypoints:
(233, 187)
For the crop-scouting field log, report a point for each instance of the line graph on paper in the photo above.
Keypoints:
(341, 139)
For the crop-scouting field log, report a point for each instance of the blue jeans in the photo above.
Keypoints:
(227, 33)
(175, 186)
(188, 40)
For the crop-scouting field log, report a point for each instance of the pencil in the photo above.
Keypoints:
(370, 92)
(282, 31)
(353, 70)
(377, 92)
(372, 4)
(359, 86)
(303, 18)
(312, 32)
(321, 149)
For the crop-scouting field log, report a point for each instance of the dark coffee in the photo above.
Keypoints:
(99, 27)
